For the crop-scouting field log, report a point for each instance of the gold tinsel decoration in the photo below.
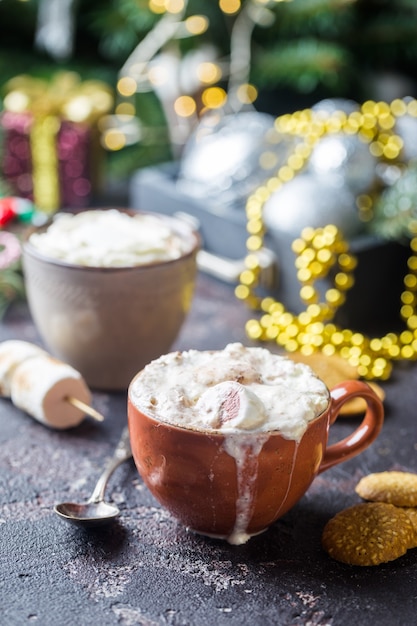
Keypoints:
(320, 250)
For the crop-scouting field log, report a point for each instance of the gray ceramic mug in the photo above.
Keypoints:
(108, 322)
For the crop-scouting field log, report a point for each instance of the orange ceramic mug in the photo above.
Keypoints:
(191, 474)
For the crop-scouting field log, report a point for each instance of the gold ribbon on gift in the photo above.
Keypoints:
(65, 97)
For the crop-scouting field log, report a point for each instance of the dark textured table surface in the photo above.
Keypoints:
(146, 569)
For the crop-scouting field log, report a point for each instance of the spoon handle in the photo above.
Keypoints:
(121, 454)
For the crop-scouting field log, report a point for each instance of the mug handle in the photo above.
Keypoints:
(366, 432)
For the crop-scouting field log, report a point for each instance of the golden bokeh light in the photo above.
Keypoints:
(125, 108)
(247, 93)
(126, 86)
(214, 97)
(196, 24)
(114, 140)
(209, 72)
(185, 106)
(157, 6)
(174, 6)
(230, 6)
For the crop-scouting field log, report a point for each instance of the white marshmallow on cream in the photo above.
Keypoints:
(231, 406)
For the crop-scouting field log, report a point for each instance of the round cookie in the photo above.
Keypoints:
(412, 514)
(333, 370)
(368, 534)
(399, 488)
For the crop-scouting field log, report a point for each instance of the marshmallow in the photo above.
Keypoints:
(41, 386)
(12, 353)
(47, 389)
(230, 405)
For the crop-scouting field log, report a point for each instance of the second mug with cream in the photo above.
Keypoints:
(110, 289)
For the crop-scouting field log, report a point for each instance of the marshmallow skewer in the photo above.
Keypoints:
(85, 407)
(49, 390)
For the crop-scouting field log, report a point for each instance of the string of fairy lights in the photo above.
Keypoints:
(322, 250)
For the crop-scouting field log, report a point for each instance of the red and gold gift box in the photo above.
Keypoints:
(50, 150)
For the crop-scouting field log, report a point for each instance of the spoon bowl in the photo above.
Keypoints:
(88, 513)
(96, 512)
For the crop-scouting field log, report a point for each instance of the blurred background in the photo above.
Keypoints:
(192, 105)
(291, 53)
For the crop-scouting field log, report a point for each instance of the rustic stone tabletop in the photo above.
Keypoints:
(145, 568)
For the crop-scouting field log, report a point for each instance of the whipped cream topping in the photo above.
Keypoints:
(231, 390)
(110, 238)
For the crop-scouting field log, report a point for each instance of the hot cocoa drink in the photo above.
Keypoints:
(229, 440)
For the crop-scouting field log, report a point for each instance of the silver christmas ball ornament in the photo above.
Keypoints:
(312, 201)
(347, 158)
(406, 128)
(228, 156)
(328, 106)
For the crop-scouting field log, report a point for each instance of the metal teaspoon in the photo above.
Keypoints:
(95, 511)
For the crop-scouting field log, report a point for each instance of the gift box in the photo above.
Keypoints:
(372, 302)
(51, 152)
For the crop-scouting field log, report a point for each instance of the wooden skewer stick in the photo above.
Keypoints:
(85, 407)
